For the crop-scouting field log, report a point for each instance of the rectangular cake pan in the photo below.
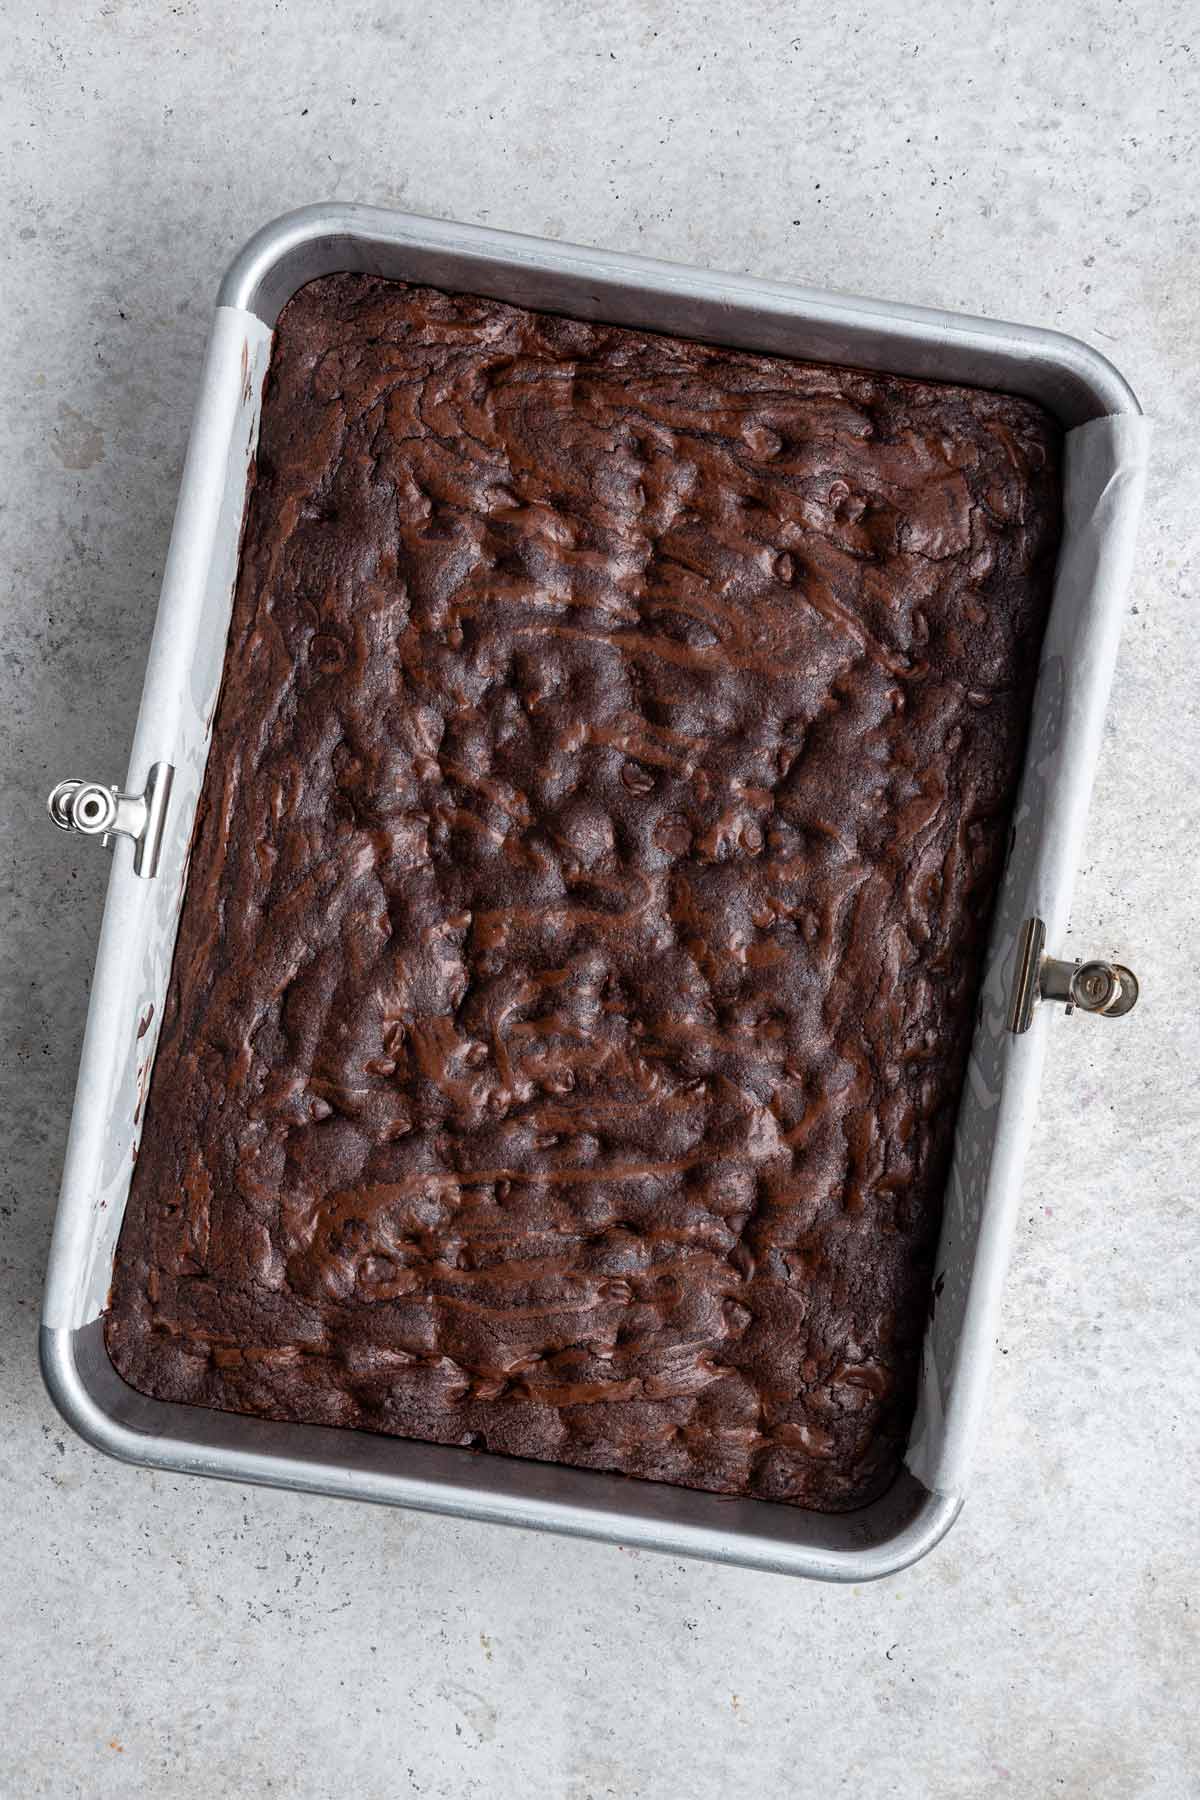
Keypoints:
(1105, 465)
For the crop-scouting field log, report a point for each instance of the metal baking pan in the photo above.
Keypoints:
(152, 822)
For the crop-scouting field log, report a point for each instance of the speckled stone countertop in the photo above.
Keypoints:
(174, 1638)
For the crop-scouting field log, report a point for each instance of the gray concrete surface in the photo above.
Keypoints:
(171, 1638)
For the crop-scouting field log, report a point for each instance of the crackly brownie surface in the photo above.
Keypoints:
(577, 969)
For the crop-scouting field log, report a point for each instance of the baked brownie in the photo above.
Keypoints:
(574, 986)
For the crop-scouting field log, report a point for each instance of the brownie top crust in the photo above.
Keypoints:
(607, 798)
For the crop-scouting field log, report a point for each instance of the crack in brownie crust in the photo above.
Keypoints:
(607, 798)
